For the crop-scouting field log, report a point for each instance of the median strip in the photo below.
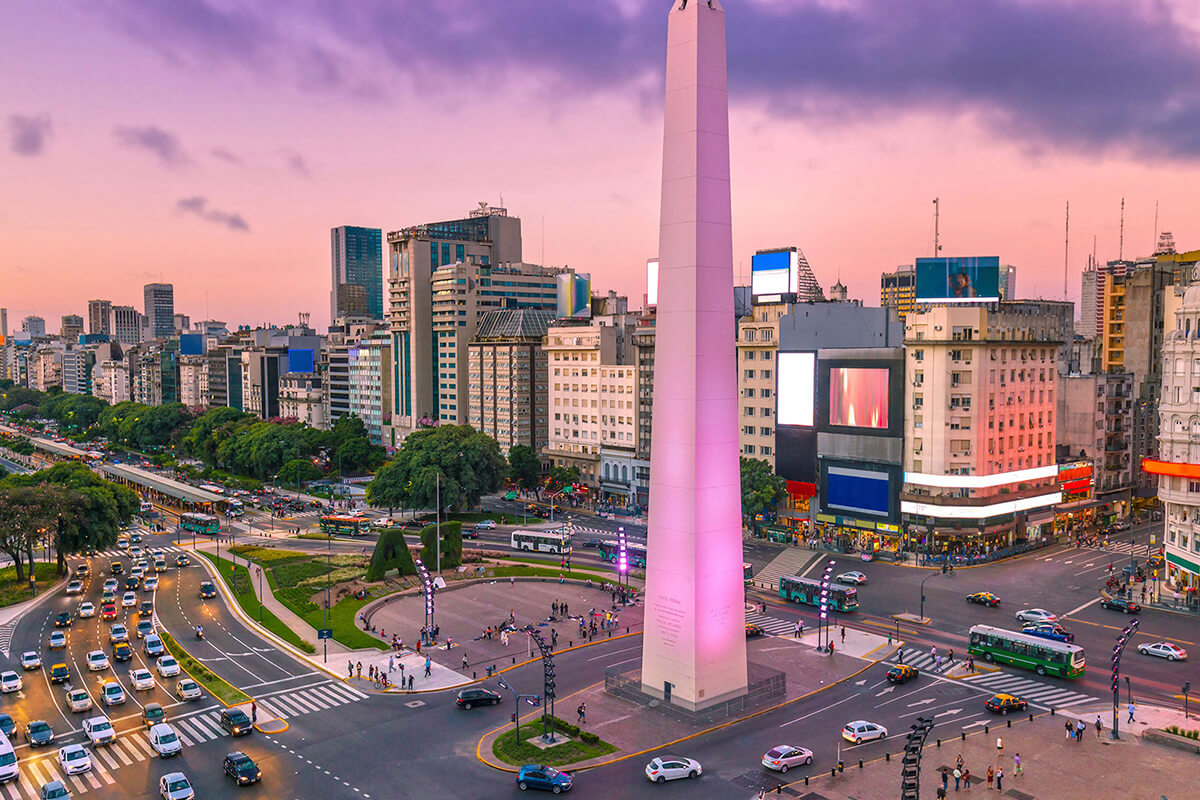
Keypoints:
(218, 687)
(243, 592)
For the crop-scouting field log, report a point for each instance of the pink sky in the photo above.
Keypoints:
(112, 113)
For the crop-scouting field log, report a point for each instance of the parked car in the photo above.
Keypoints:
(540, 776)
(1167, 650)
(670, 768)
(786, 756)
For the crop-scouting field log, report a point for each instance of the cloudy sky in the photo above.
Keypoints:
(213, 143)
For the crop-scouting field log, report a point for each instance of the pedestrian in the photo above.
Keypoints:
(938, 662)
(950, 656)
(967, 777)
(945, 779)
(410, 683)
(991, 776)
(762, 794)
(1070, 729)
(465, 662)
(581, 713)
(418, 646)
(831, 648)
(428, 667)
(957, 777)
(360, 670)
(1099, 726)
(796, 630)
(1131, 710)
(253, 712)
(958, 762)
(843, 634)
(933, 652)
(350, 669)
(971, 663)
(1080, 727)
(1017, 765)
(999, 779)
(999, 746)
(371, 673)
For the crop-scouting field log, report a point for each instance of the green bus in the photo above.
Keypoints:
(1043, 656)
(634, 554)
(808, 590)
(200, 523)
(344, 525)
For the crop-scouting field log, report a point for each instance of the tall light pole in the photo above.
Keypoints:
(437, 518)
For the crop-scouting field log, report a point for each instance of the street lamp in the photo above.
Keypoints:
(622, 563)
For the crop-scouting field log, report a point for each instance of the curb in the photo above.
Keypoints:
(34, 602)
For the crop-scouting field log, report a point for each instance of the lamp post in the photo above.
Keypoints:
(427, 585)
(622, 562)
(437, 518)
(328, 571)
(531, 699)
(822, 622)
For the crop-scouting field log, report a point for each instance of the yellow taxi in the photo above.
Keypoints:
(1005, 703)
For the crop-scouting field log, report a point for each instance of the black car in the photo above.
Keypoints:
(132, 584)
(478, 697)
(7, 726)
(152, 714)
(38, 733)
(984, 599)
(146, 608)
(235, 722)
(208, 590)
(592, 543)
(242, 768)
(1127, 606)
(63, 620)
(116, 568)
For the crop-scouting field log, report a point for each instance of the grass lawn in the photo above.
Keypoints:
(244, 592)
(341, 620)
(512, 751)
(13, 592)
(217, 687)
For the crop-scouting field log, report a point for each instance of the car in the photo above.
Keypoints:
(8, 726)
(1155, 561)
(83, 570)
(123, 542)
(108, 611)
(1122, 525)
(902, 673)
(165, 741)
(1171, 652)
(150, 584)
(786, 756)
(122, 651)
(182, 560)
(108, 596)
(853, 577)
(1049, 630)
(10, 682)
(593, 543)
(241, 768)
(153, 714)
(1116, 604)
(87, 609)
(160, 564)
(235, 722)
(187, 689)
(382, 523)
(207, 590)
(74, 759)
(113, 694)
(79, 700)
(97, 660)
(59, 673)
(485, 525)
(118, 633)
(110, 585)
(984, 599)
(128, 600)
(669, 768)
(133, 582)
(63, 620)
(54, 790)
(30, 660)
(167, 666)
(144, 628)
(861, 731)
(99, 730)
(116, 568)
(58, 640)
(75, 587)
(1035, 615)
(141, 679)
(152, 646)
(1004, 703)
(477, 697)
(145, 608)
(135, 552)
(753, 630)
(175, 786)
(540, 776)
(135, 538)
(142, 566)
(38, 732)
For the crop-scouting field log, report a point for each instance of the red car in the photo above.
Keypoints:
(108, 611)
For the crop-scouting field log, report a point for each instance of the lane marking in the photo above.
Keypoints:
(1082, 607)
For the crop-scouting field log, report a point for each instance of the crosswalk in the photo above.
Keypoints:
(116, 552)
(6, 636)
(925, 661)
(1034, 691)
(133, 746)
(1117, 546)
(773, 625)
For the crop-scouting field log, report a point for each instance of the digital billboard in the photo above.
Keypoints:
(858, 397)
(775, 272)
(652, 282)
(795, 391)
(858, 491)
(958, 280)
(574, 296)
(300, 360)
(191, 344)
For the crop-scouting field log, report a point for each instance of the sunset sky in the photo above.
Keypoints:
(212, 143)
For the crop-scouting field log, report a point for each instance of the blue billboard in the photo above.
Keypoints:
(958, 280)
(774, 272)
(300, 360)
(191, 344)
(858, 491)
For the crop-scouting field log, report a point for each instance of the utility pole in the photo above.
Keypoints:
(1067, 249)
(937, 247)
(437, 517)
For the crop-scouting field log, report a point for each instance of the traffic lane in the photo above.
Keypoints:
(37, 697)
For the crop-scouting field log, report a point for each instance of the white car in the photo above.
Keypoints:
(857, 578)
(1171, 652)
(118, 633)
(175, 786)
(97, 660)
(86, 609)
(150, 584)
(99, 730)
(110, 585)
(141, 679)
(128, 600)
(785, 756)
(79, 700)
(113, 694)
(861, 731)
(490, 525)
(167, 666)
(187, 689)
(10, 682)
(669, 768)
(164, 740)
(58, 640)
(30, 660)
(135, 551)
(74, 759)
(1036, 615)
(75, 587)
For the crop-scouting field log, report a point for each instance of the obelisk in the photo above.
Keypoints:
(694, 646)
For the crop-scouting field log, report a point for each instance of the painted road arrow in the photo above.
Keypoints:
(885, 691)
(924, 702)
(860, 683)
(951, 712)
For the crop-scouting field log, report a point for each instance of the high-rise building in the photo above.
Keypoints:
(111, 383)
(126, 325)
(34, 326)
(77, 363)
(193, 380)
(182, 323)
(160, 309)
(507, 379)
(357, 260)
(369, 370)
(1008, 282)
(1095, 423)
(757, 344)
(898, 289)
(71, 328)
(99, 316)
(644, 340)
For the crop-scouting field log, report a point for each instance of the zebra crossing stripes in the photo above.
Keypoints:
(306, 701)
(924, 661)
(6, 635)
(772, 625)
(1034, 691)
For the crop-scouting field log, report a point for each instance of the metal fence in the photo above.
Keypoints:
(765, 687)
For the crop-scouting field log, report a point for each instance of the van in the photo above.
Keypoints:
(9, 769)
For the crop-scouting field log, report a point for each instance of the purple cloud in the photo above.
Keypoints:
(199, 207)
(298, 165)
(164, 145)
(225, 155)
(27, 136)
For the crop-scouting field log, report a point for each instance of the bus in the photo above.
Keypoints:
(808, 590)
(1043, 656)
(146, 508)
(555, 542)
(635, 553)
(209, 487)
(234, 508)
(200, 523)
(344, 524)
(747, 573)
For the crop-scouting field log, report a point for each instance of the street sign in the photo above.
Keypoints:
(325, 633)
(1152, 539)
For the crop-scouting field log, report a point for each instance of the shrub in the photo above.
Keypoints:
(391, 552)
(588, 737)
(451, 550)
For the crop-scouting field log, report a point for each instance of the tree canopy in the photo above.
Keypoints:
(762, 489)
(524, 466)
(298, 469)
(467, 464)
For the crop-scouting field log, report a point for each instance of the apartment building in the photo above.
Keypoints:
(898, 289)
(507, 379)
(1095, 423)
(757, 345)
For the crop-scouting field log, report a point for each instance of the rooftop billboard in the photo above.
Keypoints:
(958, 280)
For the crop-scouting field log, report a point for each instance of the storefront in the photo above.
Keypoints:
(850, 534)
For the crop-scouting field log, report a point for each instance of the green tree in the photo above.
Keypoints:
(209, 430)
(451, 550)
(391, 552)
(456, 460)
(27, 515)
(562, 476)
(524, 466)
(762, 489)
(299, 470)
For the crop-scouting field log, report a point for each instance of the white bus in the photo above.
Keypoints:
(208, 487)
(557, 542)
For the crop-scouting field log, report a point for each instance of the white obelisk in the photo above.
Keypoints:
(695, 640)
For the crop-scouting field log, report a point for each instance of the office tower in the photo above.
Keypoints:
(508, 379)
(1008, 282)
(898, 289)
(99, 316)
(71, 328)
(357, 260)
(126, 325)
(160, 309)
(182, 323)
(34, 326)
(4, 323)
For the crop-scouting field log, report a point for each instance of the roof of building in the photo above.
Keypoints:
(515, 323)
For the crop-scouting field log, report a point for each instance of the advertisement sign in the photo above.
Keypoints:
(795, 390)
(300, 360)
(574, 296)
(860, 491)
(775, 272)
(858, 397)
(652, 282)
(958, 280)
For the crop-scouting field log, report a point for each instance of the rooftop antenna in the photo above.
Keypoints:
(1155, 226)
(1121, 245)
(937, 247)
(1067, 250)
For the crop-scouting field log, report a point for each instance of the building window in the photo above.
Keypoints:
(749, 334)
(749, 449)
(749, 374)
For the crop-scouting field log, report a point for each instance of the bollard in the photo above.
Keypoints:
(985, 728)
(475, 676)
(833, 772)
(1010, 723)
(964, 736)
(1031, 717)
(514, 659)
(939, 742)
(887, 756)
(806, 780)
(860, 763)
(1052, 711)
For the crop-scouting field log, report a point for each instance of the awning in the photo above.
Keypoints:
(1040, 518)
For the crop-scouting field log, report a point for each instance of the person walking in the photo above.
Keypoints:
(1070, 729)
(350, 669)
(799, 627)
(945, 779)
(581, 712)
(958, 762)
(391, 664)
(253, 712)
(1017, 765)
(360, 670)
(1131, 710)
(410, 683)
(428, 666)
(1080, 727)
(999, 746)
(999, 779)
(1099, 726)
(843, 634)
(465, 662)
(933, 652)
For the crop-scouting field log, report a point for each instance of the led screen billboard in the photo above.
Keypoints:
(774, 273)
(574, 295)
(652, 282)
(795, 391)
(857, 491)
(191, 344)
(858, 397)
(300, 360)
(958, 280)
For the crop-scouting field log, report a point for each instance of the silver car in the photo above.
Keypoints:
(1036, 615)
(786, 756)
(670, 768)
